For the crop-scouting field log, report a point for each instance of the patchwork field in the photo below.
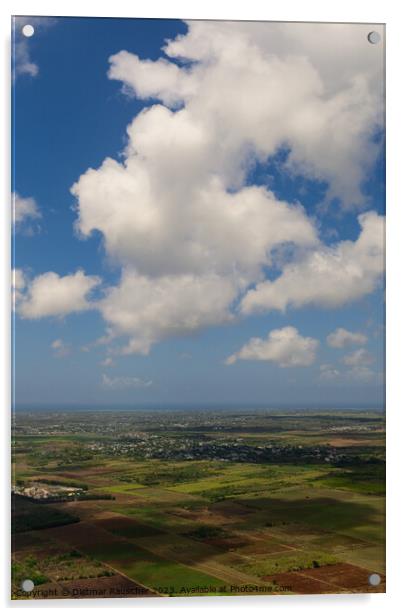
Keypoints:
(259, 519)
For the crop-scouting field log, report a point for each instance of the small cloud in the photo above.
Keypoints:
(22, 61)
(23, 64)
(18, 284)
(285, 347)
(329, 372)
(342, 337)
(361, 357)
(25, 211)
(51, 295)
(101, 341)
(362, 373)
(60, 348)
(354, 373)
(124, 382)
(107, 362)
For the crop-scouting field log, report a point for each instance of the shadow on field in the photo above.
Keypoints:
(328, 514)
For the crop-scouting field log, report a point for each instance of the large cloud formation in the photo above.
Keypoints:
(251, 88)
(194, 239)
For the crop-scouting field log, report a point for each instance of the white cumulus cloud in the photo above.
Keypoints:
(25, 211)
(178, 214)
(322, 99)
(342, 337)
(327, 276)
(147, 310)
(285, 347)
(52, 295)
(358, 358)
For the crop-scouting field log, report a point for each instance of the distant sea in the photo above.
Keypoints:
(196, 408)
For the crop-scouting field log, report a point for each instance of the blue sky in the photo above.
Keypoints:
(253, 166)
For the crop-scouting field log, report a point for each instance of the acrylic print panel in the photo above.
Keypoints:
(198, 378)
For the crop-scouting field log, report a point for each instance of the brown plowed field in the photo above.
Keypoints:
(339, 578)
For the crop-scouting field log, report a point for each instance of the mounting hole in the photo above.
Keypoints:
(27, 585)
(374, 37)
(374, 579)
(28, 30)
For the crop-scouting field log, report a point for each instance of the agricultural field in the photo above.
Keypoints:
(163, 503)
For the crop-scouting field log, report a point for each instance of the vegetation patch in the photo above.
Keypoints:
(296, 560)
(27, 569)
(364, 479)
